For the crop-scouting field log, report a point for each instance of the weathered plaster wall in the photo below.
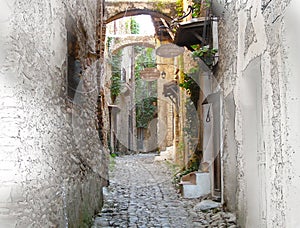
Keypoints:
(52, 166)
(126, 131)
(258, 72)
(291, 145)
(259, 69)
(166, 109)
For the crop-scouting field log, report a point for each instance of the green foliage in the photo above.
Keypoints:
(113, 155)
(145, 91)
(132, 26)
(178, 176)
(179, 8)
(190, 85)
(159, 6)
(186, 84)
(145, 57)
(109, 41)
(115, 86)
(199, 5)
(192, 166)
(196, 8)
(112, 161)
(145, 110)
(205, 53)
(190, 125)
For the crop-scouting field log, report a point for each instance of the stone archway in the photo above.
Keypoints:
(117, 9)
(161, 12)
(132, 40)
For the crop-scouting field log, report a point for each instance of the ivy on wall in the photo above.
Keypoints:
(193, 90)
(191, 86)
(191, 128)
(145, 92)
(115, 86)
(145, 110)
(132, 26)
(145, 58)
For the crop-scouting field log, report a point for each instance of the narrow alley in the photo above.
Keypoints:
(94, 94)
(141, 194)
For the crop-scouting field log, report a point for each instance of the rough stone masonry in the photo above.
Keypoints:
(52, 166)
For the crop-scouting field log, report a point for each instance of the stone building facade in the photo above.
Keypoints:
(52, 164)
(258, 76)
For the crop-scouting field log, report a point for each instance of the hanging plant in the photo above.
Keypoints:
(115, 86)
(205, 53)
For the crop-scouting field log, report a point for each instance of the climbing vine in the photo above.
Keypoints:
(193, 90)
(115, 86)
(145, 92)
(190, 85)
(145, 110)
(132, 26)
(145, 58)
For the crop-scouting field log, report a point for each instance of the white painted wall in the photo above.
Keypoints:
(259, 62)
(292, 49)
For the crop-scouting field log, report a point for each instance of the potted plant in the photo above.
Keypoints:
(205, 53)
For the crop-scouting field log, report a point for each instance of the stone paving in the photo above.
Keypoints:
(141, 194)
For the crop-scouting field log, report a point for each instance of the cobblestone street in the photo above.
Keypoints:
(141, 194)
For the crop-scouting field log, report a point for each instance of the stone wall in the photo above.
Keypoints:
(259, 76)
(119, 8)
(52, 166)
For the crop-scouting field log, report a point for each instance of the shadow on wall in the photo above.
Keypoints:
(74, 71)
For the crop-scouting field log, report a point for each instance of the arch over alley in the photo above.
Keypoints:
(117, 9)
(132, 40)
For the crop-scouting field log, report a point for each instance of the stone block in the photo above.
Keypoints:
(198, 185)
(207, 205)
